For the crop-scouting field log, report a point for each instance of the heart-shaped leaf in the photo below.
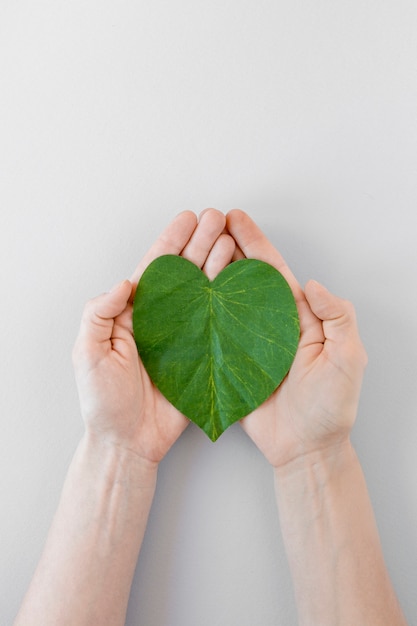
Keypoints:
(216, 350)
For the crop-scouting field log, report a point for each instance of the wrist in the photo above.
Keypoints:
(115, 463)
(89, 559)
(319, 467)
(331, 539)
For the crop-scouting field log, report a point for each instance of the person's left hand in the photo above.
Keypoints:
(314, 408)
(119, 403)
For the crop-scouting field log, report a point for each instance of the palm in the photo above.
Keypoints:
(141, 418)
(306, 411)
(286, 421)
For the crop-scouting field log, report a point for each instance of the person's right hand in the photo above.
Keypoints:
(119, 403)
(315, 406)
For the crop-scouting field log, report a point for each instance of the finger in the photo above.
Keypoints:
(210, 226)
(99, 313)
(338, 316)
(238, 254)
(219, 256)
(252, 243)
(255, 245)
(171, 241)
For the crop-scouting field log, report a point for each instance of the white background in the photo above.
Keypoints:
(114, 116)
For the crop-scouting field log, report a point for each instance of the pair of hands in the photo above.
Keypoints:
(313, 408)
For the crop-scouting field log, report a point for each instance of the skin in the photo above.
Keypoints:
(86, 570)
(327, 522)
(142, 421)
(315, 406)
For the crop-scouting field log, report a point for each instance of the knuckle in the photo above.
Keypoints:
(77, 352)
(89, 309)
(349, 310)
(355, 352)
(83, 353)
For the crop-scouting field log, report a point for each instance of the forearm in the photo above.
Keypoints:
(86, 570)
(332, 543)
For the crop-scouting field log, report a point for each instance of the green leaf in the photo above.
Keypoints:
(216, 350)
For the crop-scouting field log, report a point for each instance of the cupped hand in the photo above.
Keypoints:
(316, 404)
(119, 403)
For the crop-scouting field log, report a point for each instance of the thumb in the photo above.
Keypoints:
(99, 313)
(338, 315)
